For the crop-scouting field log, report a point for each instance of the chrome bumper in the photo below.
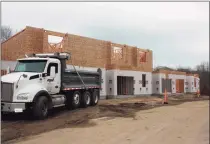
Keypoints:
(12, 107)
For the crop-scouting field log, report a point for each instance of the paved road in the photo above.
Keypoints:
(187, 123)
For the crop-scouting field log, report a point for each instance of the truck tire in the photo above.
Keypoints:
(86, 99)
(40, 108)
(74, 100)
(95, 97)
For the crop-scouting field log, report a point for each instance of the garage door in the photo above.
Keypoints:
(180, 85)
(166, 84)
(125, 85)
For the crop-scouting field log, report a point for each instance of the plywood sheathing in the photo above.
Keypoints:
(89, 52)
(130, 59)
(29, 40)
(86, 52)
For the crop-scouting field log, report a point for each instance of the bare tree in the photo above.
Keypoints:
(6, 33)
(203, 67)
(163, 68)
(204, 73)
(184, 69)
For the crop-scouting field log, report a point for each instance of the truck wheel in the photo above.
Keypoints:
(86, 99)
(73, 101)
(40, 108)
(95, 98)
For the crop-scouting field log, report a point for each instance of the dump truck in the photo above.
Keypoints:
(41, 82)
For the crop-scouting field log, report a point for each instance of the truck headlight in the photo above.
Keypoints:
(23, 96)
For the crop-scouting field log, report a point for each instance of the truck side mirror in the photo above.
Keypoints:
(8, 70)
(52, 72)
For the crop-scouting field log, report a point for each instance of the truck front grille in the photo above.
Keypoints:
(6, 92)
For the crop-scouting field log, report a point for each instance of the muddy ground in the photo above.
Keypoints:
(21, 126)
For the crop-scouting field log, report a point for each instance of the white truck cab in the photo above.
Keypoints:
(25, 81)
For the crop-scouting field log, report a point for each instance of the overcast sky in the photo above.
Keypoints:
(177, 32)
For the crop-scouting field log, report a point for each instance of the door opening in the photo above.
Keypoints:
(125, 85)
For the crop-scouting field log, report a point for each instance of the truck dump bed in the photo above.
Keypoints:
(72, 80)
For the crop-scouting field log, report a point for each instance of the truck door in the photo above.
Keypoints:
(53, 84)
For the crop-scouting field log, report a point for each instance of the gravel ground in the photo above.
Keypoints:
(20, 126)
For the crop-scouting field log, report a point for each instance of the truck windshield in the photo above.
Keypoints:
(30, 66)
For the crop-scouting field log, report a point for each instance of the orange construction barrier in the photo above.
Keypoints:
(165, 98)
(198, 93)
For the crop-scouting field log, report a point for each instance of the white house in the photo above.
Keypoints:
(171, 81)
(193, 83)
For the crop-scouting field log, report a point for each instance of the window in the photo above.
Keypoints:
(142, 56)
(157, 89)
(117, 53)
(51, 65)
(110, 81)
(143, 80)
(55, 42)
(30, 66)
(157, 82)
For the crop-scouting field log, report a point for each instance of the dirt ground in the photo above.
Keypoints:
(112, 121)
